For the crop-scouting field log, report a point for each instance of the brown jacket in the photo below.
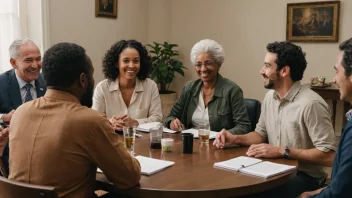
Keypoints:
(56, 141)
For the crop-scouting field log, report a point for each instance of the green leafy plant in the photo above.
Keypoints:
(164, 64)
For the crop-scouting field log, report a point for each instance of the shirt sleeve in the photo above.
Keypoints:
(109, 154)
(154, 113)
(177, 109)
(260, 127)
(340, 185)
(319, 126)
(99, 99)
(239, 113)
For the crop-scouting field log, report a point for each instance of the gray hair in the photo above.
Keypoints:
(209, 46)
(15, 46)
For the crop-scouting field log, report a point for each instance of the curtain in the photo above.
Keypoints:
(9, 30)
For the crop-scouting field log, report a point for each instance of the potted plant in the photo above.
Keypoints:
(164, 67)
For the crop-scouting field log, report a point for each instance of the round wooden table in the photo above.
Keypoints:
(193, 175)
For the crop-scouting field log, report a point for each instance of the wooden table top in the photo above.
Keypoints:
(193, 175)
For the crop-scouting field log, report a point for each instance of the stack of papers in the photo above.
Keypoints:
(254, 166)
(147, 126)
(150, 166)
(195, 133)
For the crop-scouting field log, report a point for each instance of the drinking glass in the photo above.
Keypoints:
(156, 134)
(129, 133)
(204, 133)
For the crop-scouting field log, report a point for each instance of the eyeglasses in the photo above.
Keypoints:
(207, 63)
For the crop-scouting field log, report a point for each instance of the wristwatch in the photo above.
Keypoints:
(287, 152)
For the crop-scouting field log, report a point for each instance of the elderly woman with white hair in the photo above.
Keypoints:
(211, 98)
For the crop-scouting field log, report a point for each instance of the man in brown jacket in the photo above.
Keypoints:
(57, 140)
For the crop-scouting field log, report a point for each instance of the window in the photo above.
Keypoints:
(9, 30)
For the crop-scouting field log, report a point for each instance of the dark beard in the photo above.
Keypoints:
(87, 98)
(270, 85)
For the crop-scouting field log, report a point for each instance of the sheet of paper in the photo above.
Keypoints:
(150, 166)
(237, 163)
(146, 126)
(267, 169)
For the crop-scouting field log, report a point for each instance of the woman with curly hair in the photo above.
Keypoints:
(127, 95)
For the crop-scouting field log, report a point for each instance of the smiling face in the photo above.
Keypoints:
(342, 81)
(129, 64)
(28, 62)
(206, 67)
(269, 71)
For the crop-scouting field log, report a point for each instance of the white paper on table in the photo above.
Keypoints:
(195, 133)
(150, 166)
(147, 126)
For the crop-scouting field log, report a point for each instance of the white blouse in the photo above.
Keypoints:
(200, 115)
(145, 104)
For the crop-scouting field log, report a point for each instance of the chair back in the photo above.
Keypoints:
(13, 189)
(253, 110)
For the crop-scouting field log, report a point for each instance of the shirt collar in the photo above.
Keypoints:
(61, 95)
(114, 86)
(291, 94)
(23, 83)
(349, 115)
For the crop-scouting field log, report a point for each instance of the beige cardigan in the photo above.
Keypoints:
(145, 105)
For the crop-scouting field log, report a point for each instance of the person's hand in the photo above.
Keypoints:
(224, 138)
(4, 138)
(7, 117)
(117, 122)
(127, 121)
(265, 150)
(176, 125)
(311, 193)
(305, 195)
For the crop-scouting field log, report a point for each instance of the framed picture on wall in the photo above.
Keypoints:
(313, 21)
(106, 8)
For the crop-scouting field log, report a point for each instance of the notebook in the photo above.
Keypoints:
(146, 126)
(254, 166)
(150, 166)
(195, 133)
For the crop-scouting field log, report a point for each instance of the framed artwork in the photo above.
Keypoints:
(313, 21)
(106, 8)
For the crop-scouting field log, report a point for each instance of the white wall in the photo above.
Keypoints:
(75, 21)
(243, 27)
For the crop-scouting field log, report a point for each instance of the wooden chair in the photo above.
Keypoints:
(13, 189)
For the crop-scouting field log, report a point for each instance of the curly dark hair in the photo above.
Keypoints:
(63, 63)
(291, 55)
(346, 47)
(112, 56)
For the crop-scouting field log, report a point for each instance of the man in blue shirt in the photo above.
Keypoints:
(341, 176)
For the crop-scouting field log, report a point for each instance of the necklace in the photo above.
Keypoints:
(208, 94)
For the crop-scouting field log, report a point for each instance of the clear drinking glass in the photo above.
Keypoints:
(129, 134)
(156, 134)
(204, 133)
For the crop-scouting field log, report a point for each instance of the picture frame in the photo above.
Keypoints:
(313, 21)
(106, 8)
